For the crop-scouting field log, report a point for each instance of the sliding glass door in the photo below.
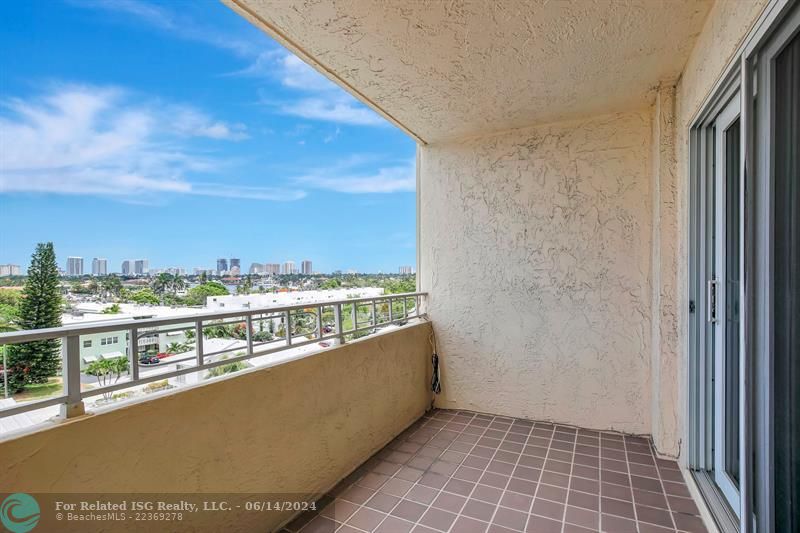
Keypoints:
(785, 308)
(724, 283)
(744, 364)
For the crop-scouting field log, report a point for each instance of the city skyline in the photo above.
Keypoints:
(227, 142)
(99, 266)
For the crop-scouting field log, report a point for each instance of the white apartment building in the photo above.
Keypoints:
(114, 344)
(306, 268)
(99, 266)
(9, 270)
(254, 301)
(74, 266)
(289, 268)
(141, 267)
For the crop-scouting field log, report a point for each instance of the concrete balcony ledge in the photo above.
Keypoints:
(295, 429)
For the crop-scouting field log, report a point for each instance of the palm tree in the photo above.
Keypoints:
(168, 283)
(106, 370)
(111, 285)
(178, 283)
(161, 283)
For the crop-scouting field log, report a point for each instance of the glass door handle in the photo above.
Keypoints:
(711, 301)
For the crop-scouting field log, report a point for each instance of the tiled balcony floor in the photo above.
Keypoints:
(457, 471)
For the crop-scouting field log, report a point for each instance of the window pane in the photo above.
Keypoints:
(786, 290)
(732, 277)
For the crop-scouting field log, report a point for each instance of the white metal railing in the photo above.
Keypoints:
(399, 309)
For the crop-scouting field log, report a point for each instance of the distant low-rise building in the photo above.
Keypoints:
(254, 301)
(110, 345)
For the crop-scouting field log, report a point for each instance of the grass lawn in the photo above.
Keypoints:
(39, 390)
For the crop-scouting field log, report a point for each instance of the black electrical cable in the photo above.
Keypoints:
(436, 385)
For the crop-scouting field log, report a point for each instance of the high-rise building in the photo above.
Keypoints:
(141, 267)
(235, 263)
(222, 265)
(289, 268)
(256, 268)
(406, 270)
(99, 266)
(9, 270)
(74, 266)
(272, 269)
(305, 267)
(127, 267)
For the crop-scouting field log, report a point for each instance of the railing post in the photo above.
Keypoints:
(288, 327)
(198, 342)
(319, 322)
(374, 314)
(405, 307)
(354, 314)
(416, 304)
(133, 353)
(391, 311)
(337, 318)
(71, 373)
(248, 321)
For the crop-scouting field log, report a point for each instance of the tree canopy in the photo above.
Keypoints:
(40, 307)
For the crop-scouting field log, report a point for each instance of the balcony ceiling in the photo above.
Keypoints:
(443, 70)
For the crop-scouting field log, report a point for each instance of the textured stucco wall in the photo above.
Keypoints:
(292, 429)
(724, 30)
(665, 359)
(447, 70)
(535, 248)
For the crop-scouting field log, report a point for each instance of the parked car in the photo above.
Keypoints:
(149, 360)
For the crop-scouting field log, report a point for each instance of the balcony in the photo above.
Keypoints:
(348, 427)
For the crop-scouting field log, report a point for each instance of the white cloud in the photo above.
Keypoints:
(191, 122)
(79, 139)
(324, 100)
(175, 24)
(298, 74)
(345, 177)
(332, 136)
(320, 98)
(341, 109)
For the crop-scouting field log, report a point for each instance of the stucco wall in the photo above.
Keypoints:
(666, 263)
(535, 249)
(292, 429)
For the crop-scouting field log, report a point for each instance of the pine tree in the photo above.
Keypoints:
(35, 362)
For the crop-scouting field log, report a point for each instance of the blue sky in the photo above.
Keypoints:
(176, 131)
